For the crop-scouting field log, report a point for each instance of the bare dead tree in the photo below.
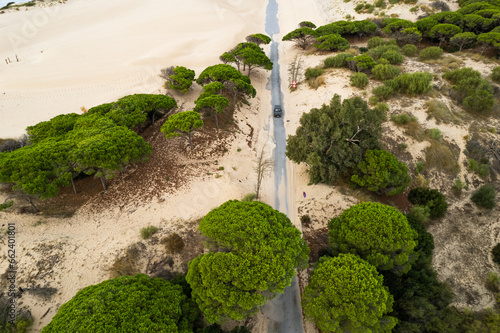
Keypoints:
(165, 73)
(295, 69)
(263, 168)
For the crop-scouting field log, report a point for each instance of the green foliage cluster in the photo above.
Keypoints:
(127, 304)
(436, 134)
(255, 250)
(378, 233)
(484, 197)
(381, 172)
(313, 72)
(99, 142)
(6, 205)
(394, 57)
(495, 74)
(180, 78)
(495, 253)
(346, 294)
(431, 198)
(408, 83)
(409, 50)
(361, 63)
(340, 60)
(303, 37)
(475, 93)
(334, 138)
(182, 123)
(258, 39)
(332, 42)
(431, 52)
(359, 80)
(148, 231)
(377, 52)
(376, 41)
(249, 55)
(385, 72)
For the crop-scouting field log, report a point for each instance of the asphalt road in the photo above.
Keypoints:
(284, 311)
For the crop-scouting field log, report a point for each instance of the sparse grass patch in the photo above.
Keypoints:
(173, 243)
(402, 119)
(316, 82)
(419, 181)
(436, 134)
(441, 112)
(448, 63)
(125, 265)
(458, 186)
(439, 156)
(39, 222)
(148, 231)
(249, 197)
(493, 282)
(221, 168)
(420, 167)
(402, 146)
(217, 176)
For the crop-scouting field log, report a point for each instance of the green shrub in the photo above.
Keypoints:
(414, 83)
(382, 107)
(458, 186)
(373, 100)
(383, 92)
(495, 74)
(402, 119)
(375, 41)
(493, 282)
(249, 197)
(312, 73)
(484, 170)
(425, 240)
(148, 231)
(363, 62)
(359, 80)
(484, 197)
(332, 42)
(394, 57)
(433, 199)
(377, 52)
(409, 50)
(174, 243)
(385, 72)
(495, 253)
(435, 133)
(380, 4)
(479, 100)
(381, 172)
(6, 205)
(382, 61)
(420, 167)
(472, 164)
(340, 60)
(431, 52)
(421, 213)
(441, 112)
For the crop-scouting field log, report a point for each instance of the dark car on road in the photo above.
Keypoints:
(278, 111)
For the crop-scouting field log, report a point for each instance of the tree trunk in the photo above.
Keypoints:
(189, 140)
(249, 69)
(216, 120)
(103, 182)
(73, 183)
(238, 64)
(234, 99)
(32, 204)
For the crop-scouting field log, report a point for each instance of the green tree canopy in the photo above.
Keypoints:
(448, 17)
(178, 78)
(258, 39)
(221, 73)
(382, 172)
(431, 198)
(252, 56)
(182, 123)
(255, 252)
(489, 39)
(126, 304)
(333, 42)
(475, 93)
(476, 23)
(474, 7)
(210, 89)
(444, 32)
(240, 88)
(378, 233)
(303, 37)
(408, 36)
(307, 24)
(213, 103)
(328, 29)
(426, 24)
(398, 25)
(346, 294)
(334, 138)
(462, 39)
(365, 27)
(56, 127)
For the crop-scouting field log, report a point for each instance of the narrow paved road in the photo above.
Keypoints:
(284, 311)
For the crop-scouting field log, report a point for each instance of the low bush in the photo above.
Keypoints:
(148, 231)
(375, 41)
(421, 213)
(436, 134)
(431, 52)
(472, 164)
(420, 167)
(409, 50)
(394, 57)
(414, 83)
(361, 63)
(493, 282)
(373, 100)
(359, 80)
(249, 197)
(377, 52)
(385, 72)
(312, 73)
(315, 83)
(495, 74)
(431, 198)
(484, 197)
(174, 243)
(439, 110)
(440, 157)
(495, 253)
(340, 60)
(402, 119)
(483, 170)
(382, 108)
(458, 186)
(383, 92)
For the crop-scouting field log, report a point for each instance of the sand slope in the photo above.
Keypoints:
(85, 53)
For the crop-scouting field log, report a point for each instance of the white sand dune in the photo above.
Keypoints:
(85, 53)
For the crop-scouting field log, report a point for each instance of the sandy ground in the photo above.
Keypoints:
(85, 53)
(64, 66)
